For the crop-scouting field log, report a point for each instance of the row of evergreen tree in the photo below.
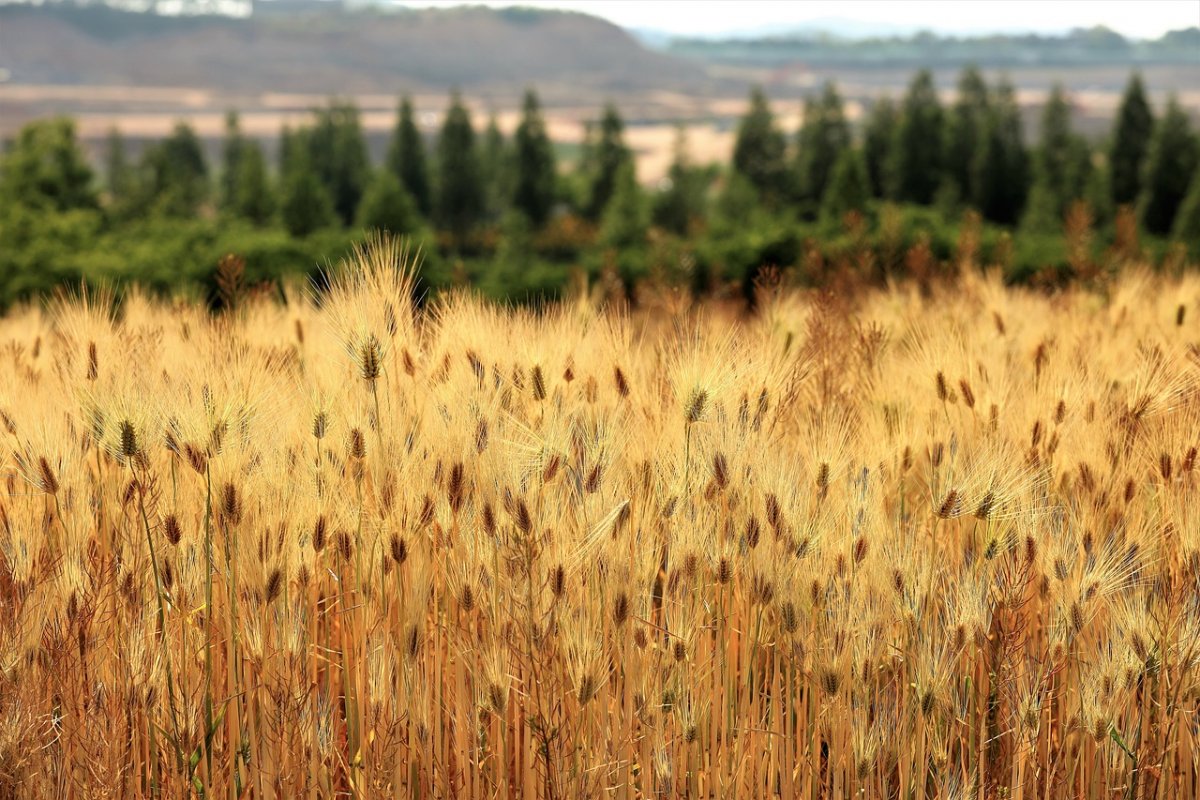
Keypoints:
(971, 153)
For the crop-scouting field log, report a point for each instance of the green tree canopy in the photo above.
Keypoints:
(460, 199)
(495, 171)
(1187, 220)
(916, 161)
(44, 168)
(681, 203)
(406, 158)
(1000, 170)
(760, 150)
(388, 206)
(534, 167)
(339, 157)
(175, 174)
(1170, 164)
(1131, 140)
(878, 136)
(849, 188)
(608, 155)
(306, 206)
(232, 149)
(118, 172)
(252, 196)
(968, 125)
(824, 135)
(626, 220)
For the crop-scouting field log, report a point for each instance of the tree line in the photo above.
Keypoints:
(502, 208)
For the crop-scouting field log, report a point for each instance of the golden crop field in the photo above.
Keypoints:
(939, 543)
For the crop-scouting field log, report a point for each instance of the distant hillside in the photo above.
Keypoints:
(333, 51)
(1083, 47)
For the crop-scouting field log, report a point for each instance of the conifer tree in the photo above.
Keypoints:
(176, 173)
(1171, 163)
(253, 199)
(534, 168)
(824, 136)
(45, 168)
(1000, 171)
(232, 150)
(406, 157)
(339, 157)
(388, 206)
(1131, 139)
(916, 161)
(306, 205)
(877, 143)
(681, 203)
(969, 122)
(495, 171)
(118, 172)
(607, 157)
(759, 153)
(460, 200)
(1186, 228)
(849, 187)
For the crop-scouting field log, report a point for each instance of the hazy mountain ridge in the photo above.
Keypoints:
(333, 51)
(1083, 46)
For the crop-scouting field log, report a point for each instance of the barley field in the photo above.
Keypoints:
(916, 542)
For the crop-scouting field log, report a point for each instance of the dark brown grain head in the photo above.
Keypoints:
(398, 548)
(720, 471)
(46, 476)
(172, 529)
(538, 381)
(274, 585)
(320, 534)
(356, 446)
(951, 504)
(622, 383)
(456, 487)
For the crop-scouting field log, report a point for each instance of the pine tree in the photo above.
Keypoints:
(460, 200)
(177, 173)
(824, 136)
(232, 150)
(495, 171)
(338, 155)
(877, 143)
(849, 187)
(534, 169)
(607, 158)
(681, 202)
(45, 168)
(118, 172)
(1000, 172)
(253, 199)
(1058, 155)
(968, 124)
(1187, 220)
(1131, 139)
(306, 206)
(1171, 163)
(916, 161)
(406, 158)
(388, 206)
(759, 153)
(626, 219)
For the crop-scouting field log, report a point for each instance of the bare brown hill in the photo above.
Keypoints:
(479, 50)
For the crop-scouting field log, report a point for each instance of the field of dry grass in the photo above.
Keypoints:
(935, 544)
